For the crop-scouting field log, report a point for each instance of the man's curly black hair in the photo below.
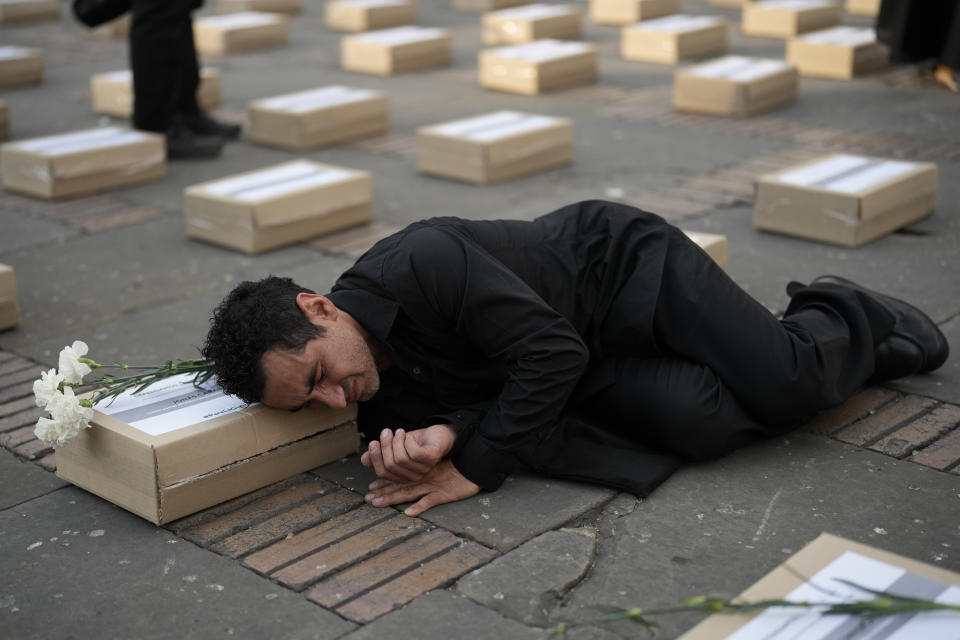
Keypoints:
(254, 318)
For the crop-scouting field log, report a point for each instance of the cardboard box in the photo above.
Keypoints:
(840, 52)
(396, 50)
(9, 308)
(233, 32)
(485, 5)
(869, 8)
(714, 244)
(844, 199)
(289, 7)
(4, 121)
(82, 162)
(20, 66)
(494, 147)
(815, 573)
(673, 38)
(542, 65)
(735, 4)
(117, 29)
(530, 22)
(277, 206)
(368, 15)
(175, 449)
(629, 11)
(318, 117)
(112, 93)
(785, 18)
(29, 10)
(734, 85)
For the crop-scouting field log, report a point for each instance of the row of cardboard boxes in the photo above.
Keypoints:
(842, 199)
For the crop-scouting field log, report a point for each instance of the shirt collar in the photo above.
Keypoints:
(374, 313)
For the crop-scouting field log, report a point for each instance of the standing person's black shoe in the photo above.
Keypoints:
(184, 143)
(202, 124)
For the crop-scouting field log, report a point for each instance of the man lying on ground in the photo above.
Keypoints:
(595, 343)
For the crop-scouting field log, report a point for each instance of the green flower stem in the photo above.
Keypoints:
(109, 386)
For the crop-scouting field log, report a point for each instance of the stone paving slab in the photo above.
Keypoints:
(21, 481)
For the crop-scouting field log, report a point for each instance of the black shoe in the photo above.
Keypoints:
(915, 345)
(184, 143)
(202, 124)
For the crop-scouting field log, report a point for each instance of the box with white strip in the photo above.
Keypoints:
(869, 8)
(845, 199)
(542, 65)
(622, 12)
(673, 38)
(734, 85)
(277, 206)
(9, 307)
(4, 121)
(396, 50)
(495, 146)
(111, 93)
(485, 5)
(530, 22)
(318, 117)
(714, 244)
(840, 52)
(82, 162)
(244, 31)
(786, 18)
(29, 10)
(20, 66)
(733, 4)
(368, 15)
(289, 7)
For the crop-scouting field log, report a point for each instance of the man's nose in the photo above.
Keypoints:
(329, 396)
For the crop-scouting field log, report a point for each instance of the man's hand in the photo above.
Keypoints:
(400, 456)
(442, 484)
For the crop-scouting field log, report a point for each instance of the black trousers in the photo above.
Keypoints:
(164, 62)
(917, 30)
(724, 372)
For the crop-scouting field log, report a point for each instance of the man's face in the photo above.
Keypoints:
(331, 371)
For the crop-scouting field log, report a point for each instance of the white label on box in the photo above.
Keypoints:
(869, 176)
(171, 404)
(9, 52)
(823, 171)
(758, 69)
(372, 3)
(721, 67)
(533, 12)
(528, 123)
(678, 23)
(541, 50)
(846, 36)
(846, 174)
(401, 35)
(469, 125)
(278, 181)
(82, 141)
(793, 5)
(238, 20)
(304, 101)
(119, 77)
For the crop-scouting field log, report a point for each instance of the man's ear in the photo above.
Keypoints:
(317, 308)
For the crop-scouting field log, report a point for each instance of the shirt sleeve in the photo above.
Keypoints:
(445, 280)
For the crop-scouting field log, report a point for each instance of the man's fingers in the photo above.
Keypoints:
(410, 469)
(424, 503)
(391, 494)
(386, 451)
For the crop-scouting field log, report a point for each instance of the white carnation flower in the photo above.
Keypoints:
(46, 387)
(69, 416)
(70, 366)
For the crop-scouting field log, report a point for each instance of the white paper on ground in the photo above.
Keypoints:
(171, 404)
(304, 101)
(677, 23)
(277, 181)
(238, 20)
(534, 12)
(401, 35)
(846, 36)
(829, 586)
(82, 141)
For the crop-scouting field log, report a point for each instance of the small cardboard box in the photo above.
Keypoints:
(734, 85)
(290, 7)
(822, 572)
(714, 244)
(786, 18)
(840, 52)
(368, 15)
(29, 10)
(674, 38)
(870, 8)
(277, 206)
(4, 121)
(112, 93)
(396, 50)
(117, 29)
(245, 31)
(542, 65)
(20, 66)
(174, 449)
(629, 11)
(82, 162)
(318, 117)
(485, 5)
(494, 147)
(844, 199)
(734, 4)
(530, 22)
(9, 308)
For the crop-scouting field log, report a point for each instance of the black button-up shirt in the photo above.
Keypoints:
(491, 324)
